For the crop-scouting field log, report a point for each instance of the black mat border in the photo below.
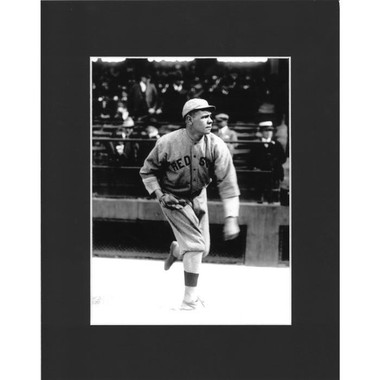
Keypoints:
(306, 31)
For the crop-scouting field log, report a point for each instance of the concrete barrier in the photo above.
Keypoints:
(262, 221)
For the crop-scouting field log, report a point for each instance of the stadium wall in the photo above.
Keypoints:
(263, 223)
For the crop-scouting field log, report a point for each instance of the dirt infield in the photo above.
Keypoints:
(139, 292)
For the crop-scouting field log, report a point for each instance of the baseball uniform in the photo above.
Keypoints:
(184, 168)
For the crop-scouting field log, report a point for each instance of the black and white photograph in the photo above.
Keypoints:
(190, 190)
(190, 176)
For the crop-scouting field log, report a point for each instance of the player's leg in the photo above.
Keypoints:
(191, 299)
(174, 255)
(199, 207)
(185, 226)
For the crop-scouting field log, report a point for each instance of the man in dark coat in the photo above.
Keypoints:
(268, 156)
(143, 98)
(174, 96)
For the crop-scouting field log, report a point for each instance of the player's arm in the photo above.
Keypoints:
(231, 228)
(151, 170)
(150, 174)
(226, 178)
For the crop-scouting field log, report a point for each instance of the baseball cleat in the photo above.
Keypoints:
(197, 304)
(171, 258)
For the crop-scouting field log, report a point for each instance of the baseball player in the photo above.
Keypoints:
(177, 171)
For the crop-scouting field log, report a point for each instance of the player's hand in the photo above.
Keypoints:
(231, 228)
(171, 202)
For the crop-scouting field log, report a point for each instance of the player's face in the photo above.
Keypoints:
(201, 123)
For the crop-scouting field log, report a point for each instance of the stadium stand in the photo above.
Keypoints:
(249, 94)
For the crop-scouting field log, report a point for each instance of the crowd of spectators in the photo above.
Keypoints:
(143, 100)
(149, 91)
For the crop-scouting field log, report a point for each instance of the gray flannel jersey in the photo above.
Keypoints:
(182, 167)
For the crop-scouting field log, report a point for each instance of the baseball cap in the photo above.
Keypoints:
(196, 104)
(221, 116)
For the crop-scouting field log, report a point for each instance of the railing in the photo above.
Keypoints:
(111, 179)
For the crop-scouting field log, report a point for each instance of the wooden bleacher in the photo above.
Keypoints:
(126, 181)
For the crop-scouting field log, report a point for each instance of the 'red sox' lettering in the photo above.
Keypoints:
(186, 161)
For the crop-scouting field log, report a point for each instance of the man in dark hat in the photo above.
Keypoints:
(125, 152)
(174, 95)
(143, 98)
(268, 156)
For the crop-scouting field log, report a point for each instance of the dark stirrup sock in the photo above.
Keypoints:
(191, 279)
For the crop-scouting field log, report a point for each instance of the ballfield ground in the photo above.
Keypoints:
(128, 291)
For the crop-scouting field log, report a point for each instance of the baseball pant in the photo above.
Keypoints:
(190, 226)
